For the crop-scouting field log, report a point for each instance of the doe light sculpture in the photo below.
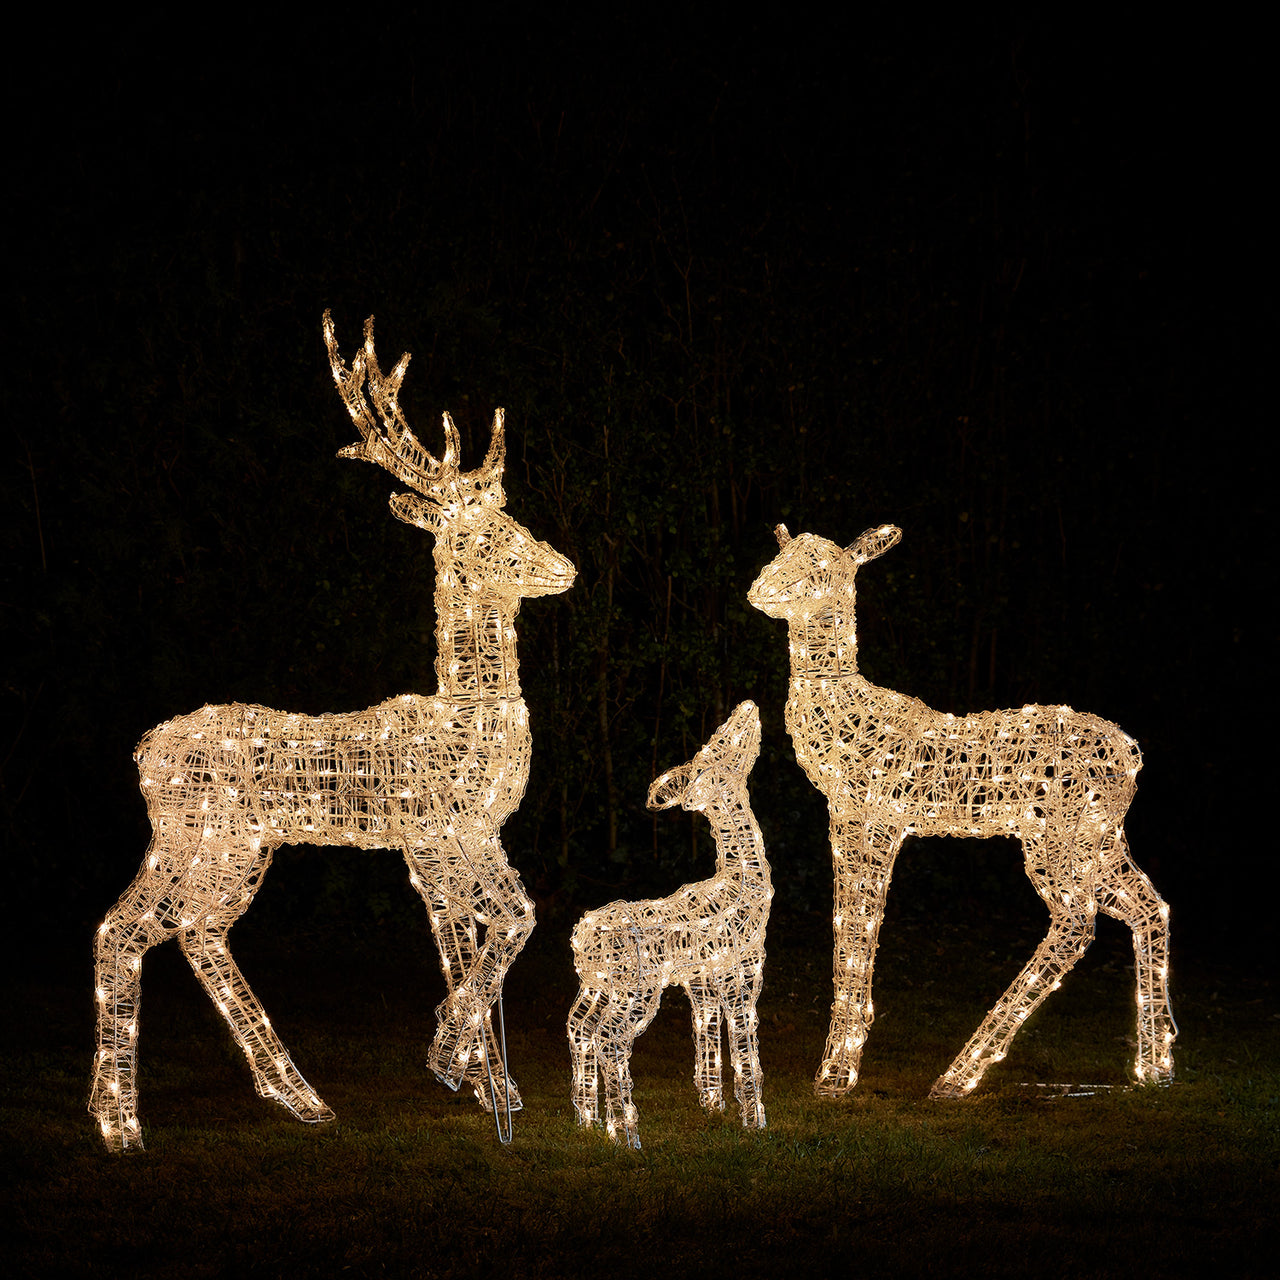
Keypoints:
(433, 776)
(890, 766)
(708, 937)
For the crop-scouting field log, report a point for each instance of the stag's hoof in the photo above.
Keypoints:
(834, 1079)
(120, 1135)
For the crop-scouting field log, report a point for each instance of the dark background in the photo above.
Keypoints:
(1000, 283)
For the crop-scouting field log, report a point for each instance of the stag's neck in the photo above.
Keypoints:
(824, 645)
(476, 645)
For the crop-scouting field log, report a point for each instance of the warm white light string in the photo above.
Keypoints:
(433, 776)
(708, 937)
(889, 766)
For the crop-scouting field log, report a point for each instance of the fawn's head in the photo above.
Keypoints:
(719, 767)
(480, 545)
(811, 574)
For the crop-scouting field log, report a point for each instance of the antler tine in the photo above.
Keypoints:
(496, 457)
(390, 443)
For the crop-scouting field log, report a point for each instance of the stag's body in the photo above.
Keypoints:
(707, 937)
(432, 776)
(1059, 780)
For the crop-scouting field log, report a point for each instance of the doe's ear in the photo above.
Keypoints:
(875, 542)
(782, 535)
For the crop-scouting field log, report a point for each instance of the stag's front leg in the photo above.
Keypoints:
(481, 918)
(739, 993)
(1068, 939)
(707, 1066)
(863, 858)
(274, 1075)
(129, 929)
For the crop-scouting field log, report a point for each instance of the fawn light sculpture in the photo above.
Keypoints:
(889, 766)
(434, 777)
(708, 937)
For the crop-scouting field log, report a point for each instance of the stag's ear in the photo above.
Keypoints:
(782, 535)
(416, 510)
(875, 542)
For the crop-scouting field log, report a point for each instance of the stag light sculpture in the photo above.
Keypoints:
(708, 937)
(889, 766)
(434, 777)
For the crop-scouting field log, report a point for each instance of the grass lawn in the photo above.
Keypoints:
(410, 1180)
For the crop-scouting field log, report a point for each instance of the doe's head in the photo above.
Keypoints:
(810, 574)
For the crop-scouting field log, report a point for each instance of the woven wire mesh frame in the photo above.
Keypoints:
(708, 937)
(889, 766)
(435, 776)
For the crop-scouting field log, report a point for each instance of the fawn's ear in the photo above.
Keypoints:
(782, 535)
(875, 542)
(669, 790)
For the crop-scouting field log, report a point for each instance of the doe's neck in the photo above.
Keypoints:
(824, 644)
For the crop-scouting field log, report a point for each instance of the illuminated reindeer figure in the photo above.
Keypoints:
(889, 766)
(708, 937)
(433, 776)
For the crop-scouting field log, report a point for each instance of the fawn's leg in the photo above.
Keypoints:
(625, 1017)
(863, 857)
(1126, 894)
(706, 1041)
(739, 993)
(1068, 938)
(584, 1018)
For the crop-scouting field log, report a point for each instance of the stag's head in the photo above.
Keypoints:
(719, 767)
(810, 574)
(485, 547)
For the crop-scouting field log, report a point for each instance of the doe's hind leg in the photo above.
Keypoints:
(1130, 897)
(1068, 938)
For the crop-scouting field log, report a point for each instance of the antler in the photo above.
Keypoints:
(387, 440)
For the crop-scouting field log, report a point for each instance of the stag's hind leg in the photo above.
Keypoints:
(274, 1075)
(863, 858)
(1068, 939)
(1126, 894)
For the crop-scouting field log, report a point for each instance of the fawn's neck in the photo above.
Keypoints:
(476, 644)
(737, 835)
(824, 645)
